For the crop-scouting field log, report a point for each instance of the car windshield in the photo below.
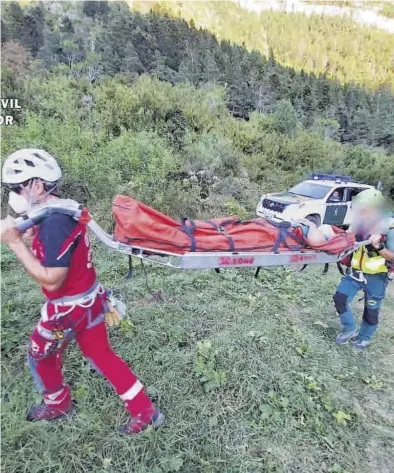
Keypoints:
(308, 189)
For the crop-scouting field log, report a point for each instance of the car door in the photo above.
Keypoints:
(336, 207)
(351, 192)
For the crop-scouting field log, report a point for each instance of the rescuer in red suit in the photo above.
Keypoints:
(61, 262)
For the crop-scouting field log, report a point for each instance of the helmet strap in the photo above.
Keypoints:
(47, 193)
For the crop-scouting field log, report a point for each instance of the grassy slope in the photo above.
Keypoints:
(274, 412)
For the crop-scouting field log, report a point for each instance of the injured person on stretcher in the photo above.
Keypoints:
(314, 235)
(138, 225)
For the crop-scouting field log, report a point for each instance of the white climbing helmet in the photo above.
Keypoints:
(26, 164)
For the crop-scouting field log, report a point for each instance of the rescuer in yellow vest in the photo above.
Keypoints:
(370, 268)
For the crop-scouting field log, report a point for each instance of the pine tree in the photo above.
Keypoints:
(144, 43)
(285, 117)
(327, 128)
(210, 70)
(161, 70)
(5, 35)
(382, 124)
(14, 18)
(95, 9)
(67, 25)
(190, 67)
(33, 26)
(131, 61)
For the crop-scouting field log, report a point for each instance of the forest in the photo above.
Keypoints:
(331, 77)
(383, 7)
(183, 121)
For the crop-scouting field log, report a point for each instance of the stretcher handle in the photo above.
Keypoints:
(22, 224)
(37, 215)
(76, 210)
(353, 248)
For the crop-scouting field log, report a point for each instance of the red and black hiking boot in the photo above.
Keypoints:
(136, 424)
(45, 412)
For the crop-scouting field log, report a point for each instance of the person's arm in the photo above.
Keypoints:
(28, 235)
(388, 252)
(50, 279)
(387, 255)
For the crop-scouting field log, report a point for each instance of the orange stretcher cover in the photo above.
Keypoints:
(139, 225)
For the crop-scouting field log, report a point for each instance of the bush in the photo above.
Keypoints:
(176, 148)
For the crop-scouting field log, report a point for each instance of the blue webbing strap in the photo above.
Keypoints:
(283, 234)
(189, 231)
(222, 230)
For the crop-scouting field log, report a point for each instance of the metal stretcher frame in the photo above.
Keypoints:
(195, 260)
(217, 260)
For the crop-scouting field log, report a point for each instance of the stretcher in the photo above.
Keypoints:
(197, 260)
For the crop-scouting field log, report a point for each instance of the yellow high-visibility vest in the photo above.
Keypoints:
(369, 264)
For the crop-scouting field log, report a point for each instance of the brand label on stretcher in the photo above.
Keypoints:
(302, 258)
(234, 261)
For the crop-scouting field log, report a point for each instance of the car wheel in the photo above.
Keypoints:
(315, 218)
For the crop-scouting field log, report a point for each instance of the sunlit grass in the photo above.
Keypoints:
(246, 371)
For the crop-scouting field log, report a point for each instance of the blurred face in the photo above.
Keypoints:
(367, 219)
(367, 213)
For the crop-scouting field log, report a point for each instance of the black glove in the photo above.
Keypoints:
(371, 250)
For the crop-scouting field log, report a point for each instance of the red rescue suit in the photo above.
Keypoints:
(76, 311)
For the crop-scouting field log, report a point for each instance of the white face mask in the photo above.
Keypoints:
(18, 203)
(21, 204)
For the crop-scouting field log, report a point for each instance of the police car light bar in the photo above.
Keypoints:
(331, 177)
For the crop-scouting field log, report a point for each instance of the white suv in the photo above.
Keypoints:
(324, 198)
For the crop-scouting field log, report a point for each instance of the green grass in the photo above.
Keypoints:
(334, 3)
(386, 7)
(387, 10)
(246, 371)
